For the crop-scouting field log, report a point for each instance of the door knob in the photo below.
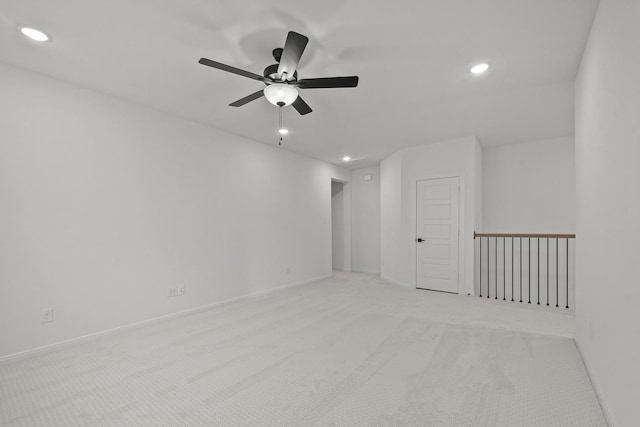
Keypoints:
(419, 240)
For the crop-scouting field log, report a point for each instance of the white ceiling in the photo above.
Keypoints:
(412, 58)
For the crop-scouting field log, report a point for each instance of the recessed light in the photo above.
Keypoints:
(346, 158)
(34, 34)
(283, 131)
(479, 69)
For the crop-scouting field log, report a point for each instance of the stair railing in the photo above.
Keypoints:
(535, 268)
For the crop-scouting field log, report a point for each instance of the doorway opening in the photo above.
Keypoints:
(337, 225)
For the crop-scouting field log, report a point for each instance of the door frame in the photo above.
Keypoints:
(413, 221)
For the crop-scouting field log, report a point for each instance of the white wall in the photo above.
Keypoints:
(390, 215)
(608, 209)
(398, 221)
(337, 225)
(479, 195)
(365, 231)
(105, 204)
(529, 187)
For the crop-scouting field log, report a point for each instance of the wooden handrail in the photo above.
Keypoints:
(526, 235)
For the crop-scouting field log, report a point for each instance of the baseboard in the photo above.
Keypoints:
(67, 343)
(596, 387)
(366, 271)
(395, 282)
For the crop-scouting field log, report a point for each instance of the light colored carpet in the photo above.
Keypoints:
(346, 351)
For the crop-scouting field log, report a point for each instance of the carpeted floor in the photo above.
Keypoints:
(347, 351)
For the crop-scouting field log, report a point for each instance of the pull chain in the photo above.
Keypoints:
(280, 125)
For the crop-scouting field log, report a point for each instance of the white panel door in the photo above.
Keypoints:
(437, 234)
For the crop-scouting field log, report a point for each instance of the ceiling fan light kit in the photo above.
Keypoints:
(280, 94)
(282, 78)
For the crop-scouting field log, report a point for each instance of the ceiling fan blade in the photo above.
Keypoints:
(328, 82)
(230, 69)
(247, 99)
(301, 106)
(293, 48)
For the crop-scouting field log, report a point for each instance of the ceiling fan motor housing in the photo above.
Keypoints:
(271, 72)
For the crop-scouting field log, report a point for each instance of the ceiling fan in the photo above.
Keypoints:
(282, 78)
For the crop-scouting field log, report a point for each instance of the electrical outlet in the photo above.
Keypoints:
(175, 291)
(46, 315)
